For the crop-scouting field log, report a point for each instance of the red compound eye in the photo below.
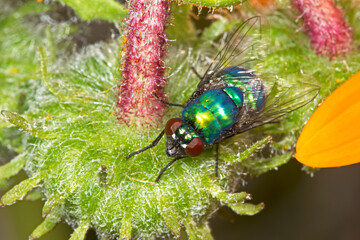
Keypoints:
(172, 125)
(195, 147)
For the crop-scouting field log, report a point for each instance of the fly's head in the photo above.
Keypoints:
(173, 147)
(180, 142)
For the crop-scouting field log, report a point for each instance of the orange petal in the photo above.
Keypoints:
(331, 137)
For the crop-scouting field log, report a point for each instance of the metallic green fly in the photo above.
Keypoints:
(229, 99)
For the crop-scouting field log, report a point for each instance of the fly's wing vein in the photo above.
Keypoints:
(236, 45)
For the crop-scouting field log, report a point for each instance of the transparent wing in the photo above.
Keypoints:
(282, 97)
(286, 98)
(238, 51)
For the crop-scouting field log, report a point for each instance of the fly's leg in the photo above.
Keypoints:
(168, 103)
(217, 160)
(166, 167)
(196, 73)
(153, 144)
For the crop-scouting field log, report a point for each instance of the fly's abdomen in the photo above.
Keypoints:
(248, 82)
(214, 111)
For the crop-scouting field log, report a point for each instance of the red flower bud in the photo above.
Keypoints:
(143, 68)
(330, 34)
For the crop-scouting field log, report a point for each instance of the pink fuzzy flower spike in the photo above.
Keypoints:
(330, 34)
(143, 67)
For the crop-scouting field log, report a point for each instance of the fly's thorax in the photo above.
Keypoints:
(213, 112)
(248, 82)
